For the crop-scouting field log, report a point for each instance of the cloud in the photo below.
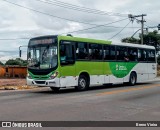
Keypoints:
(17, 22)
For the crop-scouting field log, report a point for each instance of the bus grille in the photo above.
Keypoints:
(40, 82)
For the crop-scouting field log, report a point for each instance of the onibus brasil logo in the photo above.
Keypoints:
(121, 67)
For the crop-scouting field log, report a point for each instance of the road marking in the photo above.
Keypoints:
(127, 90)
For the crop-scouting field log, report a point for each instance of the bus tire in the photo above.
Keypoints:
(83, 83)
(55, 89)
(132, 79)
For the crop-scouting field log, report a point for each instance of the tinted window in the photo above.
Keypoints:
(107, 52)
(95, 51)
(112, 53)
(133, 54)
(122, 53)
(142, 55)
(151, 55)
(67, 52)
(81, 51)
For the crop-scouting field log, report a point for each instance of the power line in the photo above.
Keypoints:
(8, 39)
(103, 25)
(150, 26)
(96, 10)
(7, 51)
(119, 31)
(47, 13)
(57, 17)
(53, 16)
(79, 8)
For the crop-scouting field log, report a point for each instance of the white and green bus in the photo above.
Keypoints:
(66, 61)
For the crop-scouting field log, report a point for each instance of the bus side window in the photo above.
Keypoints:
(132, 53)
(112, 53)
(142, 55)
(151, 56)
(82, 51)
(95, 52)
(122, 53)
(107, 52)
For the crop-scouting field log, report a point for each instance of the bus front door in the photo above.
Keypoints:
(67, 64)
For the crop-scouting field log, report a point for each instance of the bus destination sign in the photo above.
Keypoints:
(42, 41)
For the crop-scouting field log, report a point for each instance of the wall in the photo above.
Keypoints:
(13, 72)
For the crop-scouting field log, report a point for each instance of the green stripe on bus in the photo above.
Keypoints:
(121, 69)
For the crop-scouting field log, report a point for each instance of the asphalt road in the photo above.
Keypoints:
(103, 103)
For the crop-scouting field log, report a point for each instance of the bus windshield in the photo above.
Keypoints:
(42, 56)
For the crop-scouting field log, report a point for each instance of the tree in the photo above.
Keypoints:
(152, 38)
(17, 61)
(1, 63)
(131, 40)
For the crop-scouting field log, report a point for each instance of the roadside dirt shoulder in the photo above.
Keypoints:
(13, 84)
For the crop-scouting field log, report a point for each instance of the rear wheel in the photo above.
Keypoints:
(133, 79)
(83, 83)
(55, 89)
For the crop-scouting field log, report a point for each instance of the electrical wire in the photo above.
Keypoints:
(47, 13)
(150, 26)
(8, 39)
(51, 14)
(80, 8)
(103, 25)
(61, 18)
(7, 51)
(119, 31)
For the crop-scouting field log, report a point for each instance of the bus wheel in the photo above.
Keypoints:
(82, 83)
(55, 89)
(133, 79)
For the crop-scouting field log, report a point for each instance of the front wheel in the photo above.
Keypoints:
(132, 79)
(83, 83)
(55, 89)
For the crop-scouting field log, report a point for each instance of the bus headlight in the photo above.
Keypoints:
(54, 75)
(28, 75)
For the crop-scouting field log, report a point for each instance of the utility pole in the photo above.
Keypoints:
(20, 51)
(133, 17)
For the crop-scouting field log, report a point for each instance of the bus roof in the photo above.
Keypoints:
(105, 42)
(95, 41)
(133, 45)
(84, 39)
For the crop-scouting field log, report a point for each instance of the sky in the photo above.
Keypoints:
(32, 18)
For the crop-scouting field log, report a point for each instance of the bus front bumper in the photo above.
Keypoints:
(44, 83)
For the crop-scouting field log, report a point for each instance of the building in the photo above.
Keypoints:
(13, 71)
